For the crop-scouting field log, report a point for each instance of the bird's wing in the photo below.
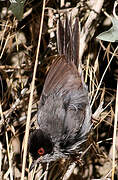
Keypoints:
(77, 123)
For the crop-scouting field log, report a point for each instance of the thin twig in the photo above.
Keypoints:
(7, 142)
(9, 157)
(1, 156)
(46, 174)
(31, 96)
(103, 76)
(2, 35)
(69, 171)
(88, 28)
(17, 102)
(114, 134)
(4, 46)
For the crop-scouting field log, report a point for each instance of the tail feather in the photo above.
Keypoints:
(68, 39)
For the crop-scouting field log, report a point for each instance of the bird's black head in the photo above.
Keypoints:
(42, 149)
(39, 144)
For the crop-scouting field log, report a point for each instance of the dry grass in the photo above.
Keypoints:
(18, 43)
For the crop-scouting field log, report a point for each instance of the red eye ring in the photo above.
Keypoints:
(41, 151)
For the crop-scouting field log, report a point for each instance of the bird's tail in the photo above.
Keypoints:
(68, 39)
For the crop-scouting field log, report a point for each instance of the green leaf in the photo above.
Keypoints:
(17, 8)
(112, 34)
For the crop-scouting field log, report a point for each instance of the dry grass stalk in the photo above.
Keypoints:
(115, 133)
(101, 80)
(31, 96)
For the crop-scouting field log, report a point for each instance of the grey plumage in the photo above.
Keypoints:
(64, 113)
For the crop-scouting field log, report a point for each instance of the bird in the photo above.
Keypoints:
(64, 113)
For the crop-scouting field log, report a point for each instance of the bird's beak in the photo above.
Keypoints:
(47, 159)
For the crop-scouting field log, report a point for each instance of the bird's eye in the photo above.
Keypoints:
(41, 151)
